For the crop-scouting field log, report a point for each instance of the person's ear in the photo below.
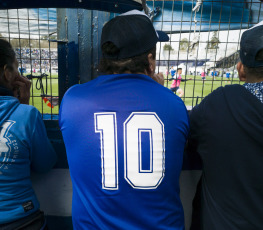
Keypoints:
(7, 74)
(241, 71)
(151, 68)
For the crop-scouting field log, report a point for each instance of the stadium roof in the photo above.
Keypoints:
(117, 6)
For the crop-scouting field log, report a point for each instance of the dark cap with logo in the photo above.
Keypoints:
(251, 43)
(132, 33)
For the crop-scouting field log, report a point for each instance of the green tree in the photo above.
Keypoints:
(214, 42)
(46, 37)
(168, 47)
(183, 44)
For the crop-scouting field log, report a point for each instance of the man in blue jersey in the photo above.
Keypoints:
(125, 136)
(23, 146)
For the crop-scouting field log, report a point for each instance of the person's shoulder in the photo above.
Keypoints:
(72, 90)
(170, 96)
(164, 91)
(213, 97)
(27, 109)
(77, 90)
(218, 94)
(232, 87)
(27, 114)
(236, 90)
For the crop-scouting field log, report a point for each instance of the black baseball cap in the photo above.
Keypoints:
(133, 33)
(251, 43)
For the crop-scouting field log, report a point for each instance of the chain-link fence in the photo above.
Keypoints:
(32, 33)
(204, 44)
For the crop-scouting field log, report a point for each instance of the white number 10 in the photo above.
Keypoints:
(137, 123)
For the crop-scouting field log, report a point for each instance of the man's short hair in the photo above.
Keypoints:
(179, 69)
(137, 64)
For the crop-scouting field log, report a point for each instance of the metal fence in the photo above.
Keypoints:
(33, 34)
(204, 40)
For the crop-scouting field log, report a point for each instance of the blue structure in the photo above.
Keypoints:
(177, 16)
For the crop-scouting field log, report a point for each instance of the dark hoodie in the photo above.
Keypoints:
(227, 132)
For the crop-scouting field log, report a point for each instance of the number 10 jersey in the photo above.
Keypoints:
(125, 136)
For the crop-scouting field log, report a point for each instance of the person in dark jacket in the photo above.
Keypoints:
(227, 132)
(23, 146)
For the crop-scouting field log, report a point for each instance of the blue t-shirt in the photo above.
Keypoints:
(23, 146)
(173, 72)
(125, 136)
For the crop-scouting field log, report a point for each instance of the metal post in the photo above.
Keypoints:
(79, 33)
(68, 69)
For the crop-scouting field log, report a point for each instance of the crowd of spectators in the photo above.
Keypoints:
(37, 59)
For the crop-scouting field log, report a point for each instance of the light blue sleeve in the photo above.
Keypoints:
(43, 156)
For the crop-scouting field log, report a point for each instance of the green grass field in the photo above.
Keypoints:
(37, 101)
(198, 88)
(192, 89)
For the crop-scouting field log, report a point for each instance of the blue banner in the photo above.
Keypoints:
(176, 16)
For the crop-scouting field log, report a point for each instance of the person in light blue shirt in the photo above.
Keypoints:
(24, 146)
